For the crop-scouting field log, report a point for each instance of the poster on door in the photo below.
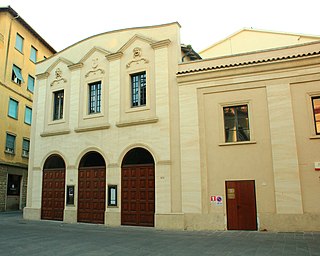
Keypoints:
(216, 200)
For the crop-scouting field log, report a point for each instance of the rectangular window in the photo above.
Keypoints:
(58, 105)
(33, 54)
(13, 108)
(16, 75)
(13, 188)
(25, 147)
(236, 123)
(28, 115)
(95, 97)
(10, 143)
(30, 84)
(316, 113)
(138, 89)
(19, 43)
(112, 195)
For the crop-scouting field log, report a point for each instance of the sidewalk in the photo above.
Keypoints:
(23, 237)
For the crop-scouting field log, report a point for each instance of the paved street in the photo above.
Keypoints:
(22, 237)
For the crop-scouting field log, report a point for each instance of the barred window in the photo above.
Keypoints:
(10, 143)
(25, 147)
(138, 89)
(95, 97)
(58, 105)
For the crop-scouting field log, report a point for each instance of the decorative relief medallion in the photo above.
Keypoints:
(95, 70)
(59, 78)
(137, 53)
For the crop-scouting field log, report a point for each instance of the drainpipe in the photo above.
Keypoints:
(8, 48)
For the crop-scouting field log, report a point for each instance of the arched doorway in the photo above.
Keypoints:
(53, 188)
(92, 188)
(138, 188)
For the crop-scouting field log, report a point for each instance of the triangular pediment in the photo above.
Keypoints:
(135, 38)
(92, 51)
(59, 60)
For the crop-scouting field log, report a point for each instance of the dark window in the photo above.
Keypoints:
(138, 89)
(19, 43)
(95, 97)
(25, 147)
(236, 123)
(13, 108)
(16, 75)
(10, 143)
(13, 185)
(58, 105)
(316, 113)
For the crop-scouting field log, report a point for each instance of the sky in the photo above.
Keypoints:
(204, 22)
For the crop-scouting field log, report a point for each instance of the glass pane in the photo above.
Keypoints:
(33, 54)
(19, 43)
(28, 115)
(25, 145)
(10, 141)
(316, 113)
(13, 109)
(30, 83)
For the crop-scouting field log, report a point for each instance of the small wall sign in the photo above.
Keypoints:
(217, 200)
(317, 166)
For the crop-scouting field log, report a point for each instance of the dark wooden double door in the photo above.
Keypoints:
(138, 195)
(241, 205)
(53, 194)
(91, 194)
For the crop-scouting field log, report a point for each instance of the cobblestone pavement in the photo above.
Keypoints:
(23, 237)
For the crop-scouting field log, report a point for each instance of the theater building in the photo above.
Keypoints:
(131, 128)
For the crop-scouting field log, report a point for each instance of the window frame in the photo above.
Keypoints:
(138, 95)
(16, 110)
(317, 132)
(7, 149)
(249, 129)
(94, 101)
(25, 115)
(18, 47)
(31, 78)
(25, 152)
(33, 54)
(58, 113)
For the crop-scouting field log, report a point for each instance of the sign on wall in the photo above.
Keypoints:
(217, 200)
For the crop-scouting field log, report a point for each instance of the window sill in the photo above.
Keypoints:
(314, 137)
(48, 134)
(137, 122)
(237, 143)
(92, 128)
(9, 153)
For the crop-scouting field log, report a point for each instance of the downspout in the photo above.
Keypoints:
(8, 48)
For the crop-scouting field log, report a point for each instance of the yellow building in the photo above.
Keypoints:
(131, 132)
(249, 40)
(20, 48)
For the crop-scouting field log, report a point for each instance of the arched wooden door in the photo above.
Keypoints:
(138, 188)
(53, 189)
(92, 189)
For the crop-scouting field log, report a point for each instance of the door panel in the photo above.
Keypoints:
(241, 205)
(53, 193)
(91, 195)
(137, 195)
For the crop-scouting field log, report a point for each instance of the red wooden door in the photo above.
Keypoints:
(241, 205)
(53, 194)
(138, 195)
(91, 195)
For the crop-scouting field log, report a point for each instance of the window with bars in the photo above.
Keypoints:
(236, 123)
(95, 97)
(58, 105)
(316, 113)
(13, 108)
(25, 147)
(10, 143)
(138, 89)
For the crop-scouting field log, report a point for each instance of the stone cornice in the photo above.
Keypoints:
(137, 122)
(92, 128)
(44, 75)
(114, 56)
(55, 133)
(75, 66)
(160, 44)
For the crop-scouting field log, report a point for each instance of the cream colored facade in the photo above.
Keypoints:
(249, 40)
(16, 163)
(181, 124)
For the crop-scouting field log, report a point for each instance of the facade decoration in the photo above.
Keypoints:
(137, 57)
